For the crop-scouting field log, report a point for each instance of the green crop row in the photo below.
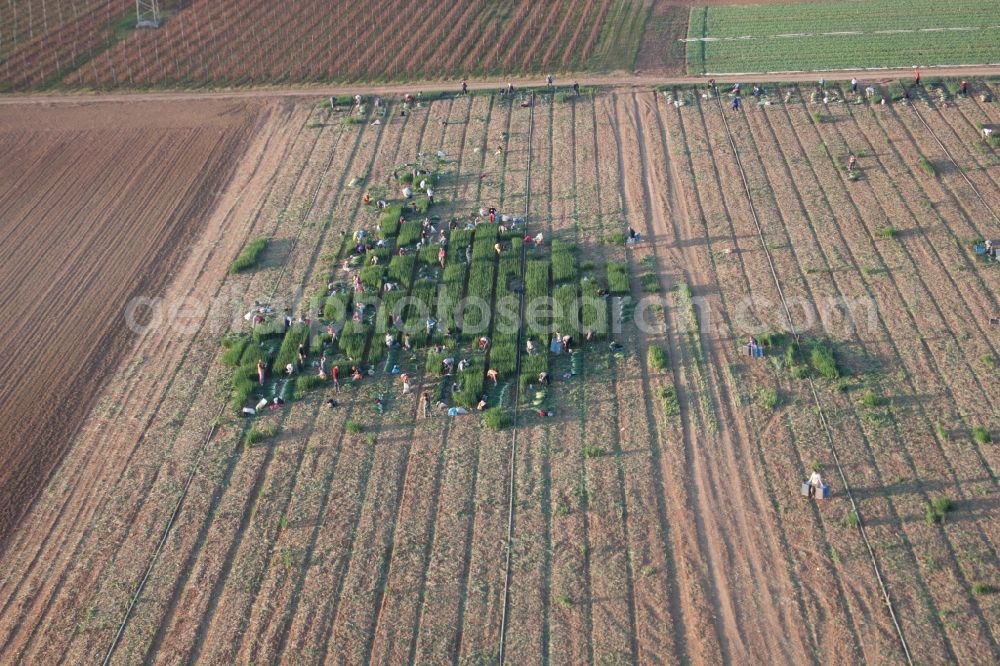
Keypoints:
(353, 339)
(593, 309)
(297, 335)
(389, 221)
(567, 308)
(249, 256)
(563, 261)
(409, 233)
(401, 269)
(618, 278)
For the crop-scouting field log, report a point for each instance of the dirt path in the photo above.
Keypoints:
(616, 79)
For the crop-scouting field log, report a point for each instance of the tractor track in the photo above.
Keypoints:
(812, 389)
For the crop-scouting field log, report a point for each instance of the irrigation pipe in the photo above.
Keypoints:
(812, 388)
(953, 161)
(201, 451)
(517, 396)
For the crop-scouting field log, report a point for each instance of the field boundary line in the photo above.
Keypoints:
(812, 387)
(505, 597)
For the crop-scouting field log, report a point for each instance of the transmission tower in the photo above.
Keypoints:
(147, 14)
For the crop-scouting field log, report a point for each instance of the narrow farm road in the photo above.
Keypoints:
(614, 79)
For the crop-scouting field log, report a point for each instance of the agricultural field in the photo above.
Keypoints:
(82, 234)
(848, 34)
(42, 39)
(204, 43)
(657, 509)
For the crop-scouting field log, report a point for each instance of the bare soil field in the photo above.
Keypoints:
(98, 204)
(655, 516)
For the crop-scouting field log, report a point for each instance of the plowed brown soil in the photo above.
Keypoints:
(97, 205)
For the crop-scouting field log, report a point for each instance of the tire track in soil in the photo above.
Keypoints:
(805, 290)
(706, 383)
(799, 523)
(894, 351)
(653, 641)
(726, 395)
(35, 627)
(706, 534)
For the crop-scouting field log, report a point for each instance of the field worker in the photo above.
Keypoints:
(425, 402)
(390, 339)
(407, 192)
(335, 374)
(854, 85)
(260, 372)
(406, 342)
(357, 100)
(367, 199)
(499, 151)
(916, 77)
(468, 254)
(484, 342)
(576, 88)
(289, 369)
(322, 367)
(530, 346)
(544, 379)
(963, 88)
(429, 324)
(539, 238)
(815, 481)
(465, 88)
(406, 382)
(549, 81)
(430, 195)
(441, 257)
(870, 91)
(851, 162)
(492, 374)
(423, 183)
(302, 355)
(736, 104)
(497, 248)
(481, 405)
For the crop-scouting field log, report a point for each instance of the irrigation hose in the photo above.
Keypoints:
(812, 387)
(954, 161)
(517, 396)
